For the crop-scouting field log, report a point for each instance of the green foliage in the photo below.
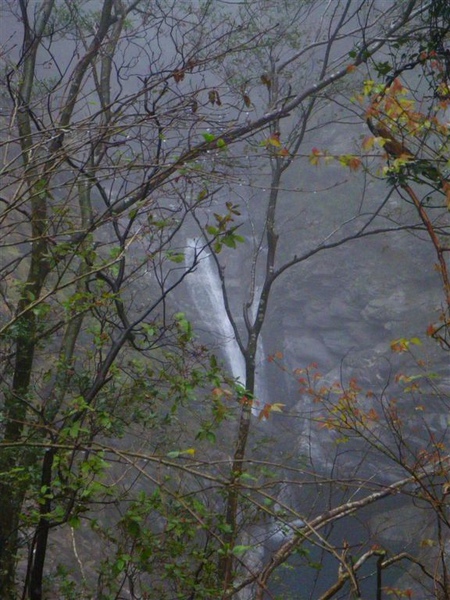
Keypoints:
(167, 541)
(223, 232)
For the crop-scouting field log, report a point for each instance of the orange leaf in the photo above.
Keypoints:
(268, 408)
(264, 413)
(315, 156)
(283, 152)
(373, 415)
(399, 346)
(396, 86)
(446, 188)
(431, 330)
(354, 163)
(350, 160)
(368, 142)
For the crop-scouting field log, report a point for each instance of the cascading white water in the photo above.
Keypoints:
(205, 289)
(206, 292)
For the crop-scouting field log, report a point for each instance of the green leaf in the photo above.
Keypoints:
(115, 252)
(74, 521)
(148, 329)
(206, 434)
(229, 241)
(208, 137)
(176, 257)
(248, 477)
(173, 454)
(240, 550)
(178, 453)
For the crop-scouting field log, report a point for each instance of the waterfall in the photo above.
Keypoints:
(205, 289)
